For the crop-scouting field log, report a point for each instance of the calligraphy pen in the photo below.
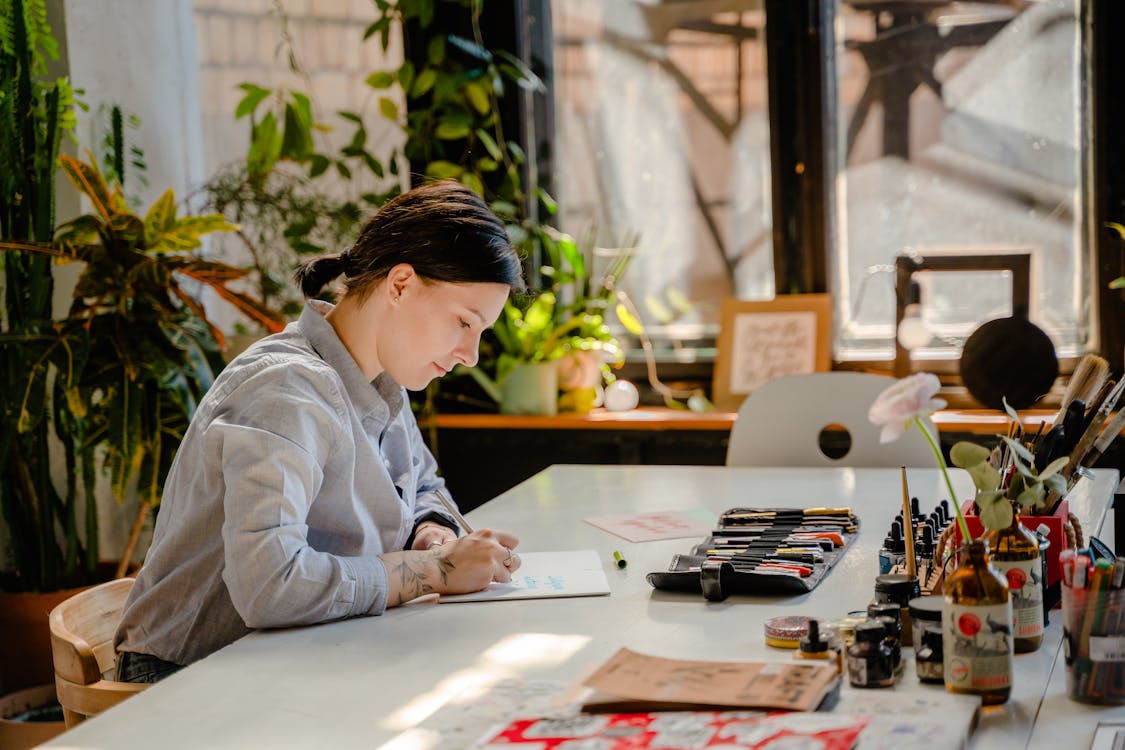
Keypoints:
(449, 506)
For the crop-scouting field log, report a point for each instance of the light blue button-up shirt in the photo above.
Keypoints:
(295, 473)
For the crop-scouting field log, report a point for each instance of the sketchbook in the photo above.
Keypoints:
(546, 575)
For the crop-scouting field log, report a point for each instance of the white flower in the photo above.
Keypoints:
(903, 402)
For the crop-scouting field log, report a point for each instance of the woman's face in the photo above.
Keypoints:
(435, 325)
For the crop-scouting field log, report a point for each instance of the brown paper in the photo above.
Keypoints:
(630, 680)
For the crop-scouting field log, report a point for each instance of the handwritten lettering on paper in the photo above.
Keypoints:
(648, 527)
(767, 346)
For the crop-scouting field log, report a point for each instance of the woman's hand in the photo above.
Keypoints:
(460, 566)
(476, 560)
(430, 534)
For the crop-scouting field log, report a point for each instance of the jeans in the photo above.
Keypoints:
(135, 667)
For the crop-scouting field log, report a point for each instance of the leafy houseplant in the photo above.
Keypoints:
(567, 318)
(35, 113)
(1020, 484)
(285, 194)
(131, 359)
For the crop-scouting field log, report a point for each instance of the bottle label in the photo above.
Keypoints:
(1025, 582)
(977, 642)
(857, 670)
(1107, 648)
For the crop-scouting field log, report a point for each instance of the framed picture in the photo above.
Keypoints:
(760, 341)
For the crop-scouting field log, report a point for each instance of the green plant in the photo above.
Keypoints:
(451, 123)
(35, 114)
(1119, 282)
(134, 355)
(568, 316)
(997, 490)
(280, 195)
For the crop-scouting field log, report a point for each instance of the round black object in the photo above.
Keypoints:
(1008, 358)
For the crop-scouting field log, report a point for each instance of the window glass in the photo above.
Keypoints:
(662, 143)
(961, 128)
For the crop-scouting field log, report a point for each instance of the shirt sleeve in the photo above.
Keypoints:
(426, 505)
(272, 457)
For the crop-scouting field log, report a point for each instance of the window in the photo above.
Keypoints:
(961, 129)
(662, 142)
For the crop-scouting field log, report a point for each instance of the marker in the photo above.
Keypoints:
(621, 561)
(449, 506)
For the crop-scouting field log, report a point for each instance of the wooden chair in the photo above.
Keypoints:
(780, 423)
(82, 630)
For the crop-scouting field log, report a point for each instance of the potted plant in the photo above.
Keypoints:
(116, 380)
(560, 329)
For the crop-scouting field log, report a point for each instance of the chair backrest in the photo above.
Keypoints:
(780, 423)
(82, 629)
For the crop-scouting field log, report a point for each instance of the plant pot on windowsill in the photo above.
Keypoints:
(530, 388)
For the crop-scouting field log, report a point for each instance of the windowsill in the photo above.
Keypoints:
(974, 421)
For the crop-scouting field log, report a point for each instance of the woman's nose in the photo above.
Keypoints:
(468, 352)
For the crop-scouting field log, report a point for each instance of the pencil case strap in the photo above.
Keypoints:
(711, 578)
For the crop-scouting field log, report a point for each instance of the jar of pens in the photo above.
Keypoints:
(1094, 627)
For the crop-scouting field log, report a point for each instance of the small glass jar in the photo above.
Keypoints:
(898, 589)
(869, 658)
(894, 643)
(817, 646)
(928, 656)
(924, 610)
(888, 613)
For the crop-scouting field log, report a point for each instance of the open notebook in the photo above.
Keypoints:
(545, 575)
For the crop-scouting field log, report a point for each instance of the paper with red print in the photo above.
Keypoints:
(650, 527)
(690, 730)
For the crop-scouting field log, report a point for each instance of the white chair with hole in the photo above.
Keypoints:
(781, 423)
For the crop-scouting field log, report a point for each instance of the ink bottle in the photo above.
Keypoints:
(976, 625)
(814, 645)
(899, 589)
(888, 614)
(928, 655)
(1015, 553)
(924, 610)
(869, 659)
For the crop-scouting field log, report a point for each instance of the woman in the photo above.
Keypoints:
(302, 491)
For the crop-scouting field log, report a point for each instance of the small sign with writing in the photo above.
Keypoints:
(762, 341)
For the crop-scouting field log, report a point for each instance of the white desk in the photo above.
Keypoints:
(367, 683)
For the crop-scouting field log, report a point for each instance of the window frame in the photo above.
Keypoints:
(798, 68)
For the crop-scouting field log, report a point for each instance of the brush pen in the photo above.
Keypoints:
(449, 506)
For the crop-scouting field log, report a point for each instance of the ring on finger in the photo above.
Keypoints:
(507, 562)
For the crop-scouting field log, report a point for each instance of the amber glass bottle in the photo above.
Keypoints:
(1015, 553)
(977, 628)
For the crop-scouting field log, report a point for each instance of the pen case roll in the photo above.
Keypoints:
(721, 566)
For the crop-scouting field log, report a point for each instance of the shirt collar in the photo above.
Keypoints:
(381, 396)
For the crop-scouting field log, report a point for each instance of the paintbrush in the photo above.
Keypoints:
(908, 535)
(1101, 442)
(1092, 431)
(1084, 383)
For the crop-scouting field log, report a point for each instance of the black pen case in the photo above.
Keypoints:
(740, 571)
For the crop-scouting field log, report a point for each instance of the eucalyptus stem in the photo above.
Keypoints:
(948, 482)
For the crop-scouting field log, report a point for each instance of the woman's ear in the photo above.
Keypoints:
(399, 280)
